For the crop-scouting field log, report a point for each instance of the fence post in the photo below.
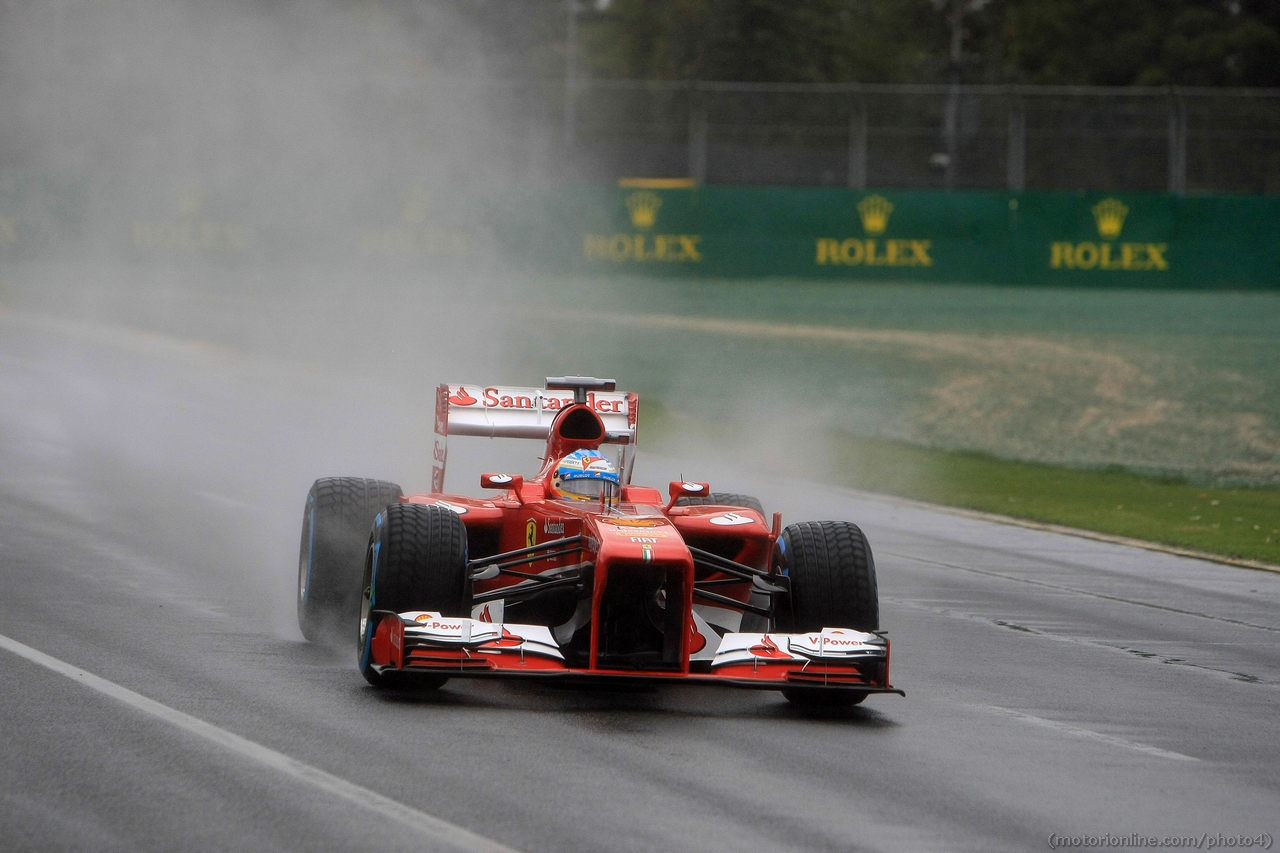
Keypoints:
(571, 74)
(1017, 154)
(857, 173)
(950, 117)
(1177, 142)
(697, 136)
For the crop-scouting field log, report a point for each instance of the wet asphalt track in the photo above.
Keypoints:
(148, 493)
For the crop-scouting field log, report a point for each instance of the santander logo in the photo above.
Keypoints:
(462, 398)
(532, 400)
(767, 648)
(506, 641)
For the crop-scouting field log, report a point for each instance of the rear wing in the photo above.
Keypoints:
(502, 411)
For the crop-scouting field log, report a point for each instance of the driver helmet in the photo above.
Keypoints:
(585, 475)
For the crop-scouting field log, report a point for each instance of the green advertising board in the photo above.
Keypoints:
(1074, 239)
(1029, 238)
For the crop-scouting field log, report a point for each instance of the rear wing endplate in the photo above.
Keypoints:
(501, 411)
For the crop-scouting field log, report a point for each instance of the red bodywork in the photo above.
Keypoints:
(639, 578)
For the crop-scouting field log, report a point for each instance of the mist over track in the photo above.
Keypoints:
(174, 373)
(149, 487)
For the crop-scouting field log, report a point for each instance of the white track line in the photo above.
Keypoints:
(432, 828)
(1089, 734)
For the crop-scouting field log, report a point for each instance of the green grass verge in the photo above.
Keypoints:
(1231, 522)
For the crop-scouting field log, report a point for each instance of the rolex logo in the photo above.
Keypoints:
(646, 246)
(643, 207)
(871, 251)
(1109, 214)
(875, 210)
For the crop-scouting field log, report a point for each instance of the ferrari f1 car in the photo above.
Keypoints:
(576, 574)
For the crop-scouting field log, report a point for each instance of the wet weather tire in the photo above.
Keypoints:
(723, 499)
(833, 585)
(416, 560)
(833, 578)
(335, 529)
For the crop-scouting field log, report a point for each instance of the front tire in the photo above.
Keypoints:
(833, 585)
(335, 527)
(833, 578)
(416, 560)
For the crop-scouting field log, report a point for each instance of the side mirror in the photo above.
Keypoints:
(502, 481)
(680, 489)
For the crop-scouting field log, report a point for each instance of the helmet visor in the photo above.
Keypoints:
(589, 489)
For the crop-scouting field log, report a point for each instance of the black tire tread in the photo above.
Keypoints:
(723, 499)
(344, 509)
(424, 562)
(833, 578)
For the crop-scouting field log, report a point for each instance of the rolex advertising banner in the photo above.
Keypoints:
(1069, 239)
(1041, 238)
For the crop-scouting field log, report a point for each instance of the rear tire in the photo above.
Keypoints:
(416, 560)
(833, 585)
(750, 621)
(723, 499)
(335, 528)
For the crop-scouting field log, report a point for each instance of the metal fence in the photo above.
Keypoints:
(352, 130)
(911, 136)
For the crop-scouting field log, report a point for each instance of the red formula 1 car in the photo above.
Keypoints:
(576, 574)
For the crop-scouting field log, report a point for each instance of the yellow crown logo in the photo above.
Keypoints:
(1109, 214)
(875, 210)
(643, 207)
(190, 200)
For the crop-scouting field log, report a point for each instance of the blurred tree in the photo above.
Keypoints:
(809, 41)
(1135, 42)
(520, 39)
(1086, 42)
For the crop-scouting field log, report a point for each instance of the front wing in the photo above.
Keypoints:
(425, 642)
